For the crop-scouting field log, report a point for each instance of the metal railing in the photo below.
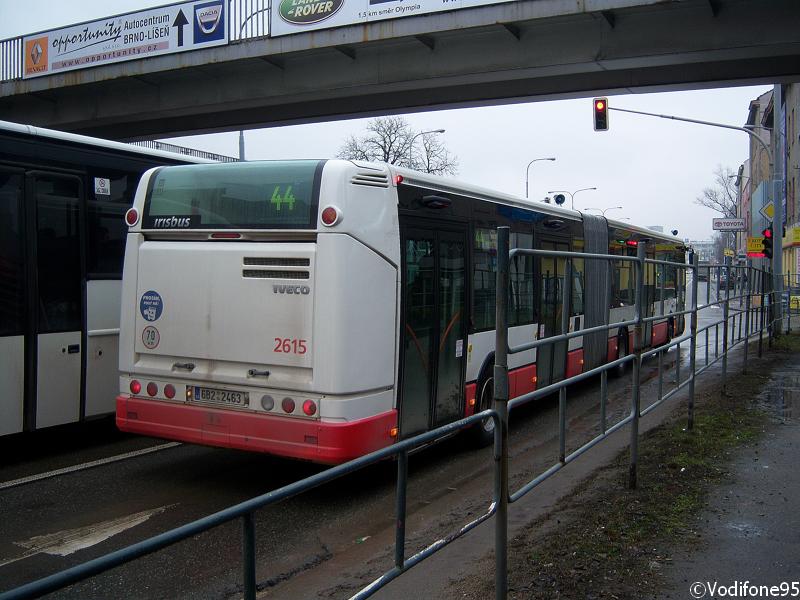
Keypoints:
(245, 511)
(247, 20)
(745, 314)
(166, 146)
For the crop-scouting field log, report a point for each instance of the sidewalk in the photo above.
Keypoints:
(750, 531)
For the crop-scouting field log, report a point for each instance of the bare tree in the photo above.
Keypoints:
(392, 140)
(722, 197)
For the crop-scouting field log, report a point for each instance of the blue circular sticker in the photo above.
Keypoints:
(151, 305)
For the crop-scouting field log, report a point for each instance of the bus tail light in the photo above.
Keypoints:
(310, 408)
(132, 217)
(287, 404)
(136, 387)
(267, 402)
(169, 391)
(330, 216)
(152, 389)
(393, 432)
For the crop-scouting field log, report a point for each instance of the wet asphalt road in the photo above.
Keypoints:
(56, 523)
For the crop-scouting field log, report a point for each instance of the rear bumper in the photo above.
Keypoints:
(317, 441)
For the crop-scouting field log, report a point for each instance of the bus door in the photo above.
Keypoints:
(55, 306)
(551, 359)
(434, 318)
(12, 300)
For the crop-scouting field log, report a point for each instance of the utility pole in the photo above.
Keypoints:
(777, 202)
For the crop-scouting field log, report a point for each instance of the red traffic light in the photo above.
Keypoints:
(600, 114)
(767, 233)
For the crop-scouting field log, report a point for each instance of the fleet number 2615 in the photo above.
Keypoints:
(290, 346)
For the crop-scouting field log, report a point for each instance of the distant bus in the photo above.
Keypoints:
(62, 238)
(324, 309)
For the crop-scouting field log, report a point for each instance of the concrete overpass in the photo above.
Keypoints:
(501, 53)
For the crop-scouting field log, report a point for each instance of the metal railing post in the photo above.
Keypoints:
(638, 339)
(748, 277)
(562, 393)
(501, 406)
(400, 510)
(725, 334)
(249, 556)
(761, 314)
(693, 346)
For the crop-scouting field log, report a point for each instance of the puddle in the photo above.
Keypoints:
(782, 395)
(746, 530)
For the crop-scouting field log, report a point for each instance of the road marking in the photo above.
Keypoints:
(88, 465)
(64, 543)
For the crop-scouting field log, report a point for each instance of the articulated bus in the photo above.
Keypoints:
(62, 239)
(321, 310)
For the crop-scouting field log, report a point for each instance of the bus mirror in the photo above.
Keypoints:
(554, 223)
(432, 201)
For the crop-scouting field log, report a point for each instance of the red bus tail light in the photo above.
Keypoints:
(135, 387)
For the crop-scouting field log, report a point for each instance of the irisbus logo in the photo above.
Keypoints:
(172, 222)
(291, 289)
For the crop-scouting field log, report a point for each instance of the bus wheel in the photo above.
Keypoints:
(622, 350)
(482, 433)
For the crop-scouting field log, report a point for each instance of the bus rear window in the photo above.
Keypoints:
(247, 195)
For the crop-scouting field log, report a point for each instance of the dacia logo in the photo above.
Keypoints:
(291, 289)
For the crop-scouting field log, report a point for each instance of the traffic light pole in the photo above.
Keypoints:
(777, 262)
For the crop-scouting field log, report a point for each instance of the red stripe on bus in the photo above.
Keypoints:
(520, 381)
(471, 392)
(659, 334)
(318, 441)
(612, 349)
(574, 363)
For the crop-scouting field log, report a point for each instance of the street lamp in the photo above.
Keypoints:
(604, 210)
(411, 143)
(527, 170)
(571, 194)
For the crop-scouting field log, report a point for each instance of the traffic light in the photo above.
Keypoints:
(767, 233)
(600, 114)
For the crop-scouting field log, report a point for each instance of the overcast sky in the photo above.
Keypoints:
(654, 168)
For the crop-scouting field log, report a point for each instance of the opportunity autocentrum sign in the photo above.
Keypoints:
(162, 30)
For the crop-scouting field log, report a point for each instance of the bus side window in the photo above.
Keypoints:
(577, 279)
(484, 265)
(522, 300)
(106, 229)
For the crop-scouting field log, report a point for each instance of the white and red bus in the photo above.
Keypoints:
(324, 309)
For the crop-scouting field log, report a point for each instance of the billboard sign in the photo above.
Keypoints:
(755, 247)
(728, 224)
(163, 30)
(298, 16)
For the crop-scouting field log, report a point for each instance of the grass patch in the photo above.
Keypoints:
(607, 541)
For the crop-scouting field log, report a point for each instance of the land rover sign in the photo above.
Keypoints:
(299, 16)
(304, 12)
